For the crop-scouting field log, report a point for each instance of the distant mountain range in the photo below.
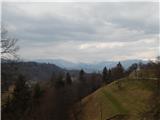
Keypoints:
(98, 66)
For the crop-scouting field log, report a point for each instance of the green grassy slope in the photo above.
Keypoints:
(127, 102)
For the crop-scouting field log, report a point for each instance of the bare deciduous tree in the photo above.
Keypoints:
(8, 45)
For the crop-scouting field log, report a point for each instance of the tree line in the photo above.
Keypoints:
(64, 89)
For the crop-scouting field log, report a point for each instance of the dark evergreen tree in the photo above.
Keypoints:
(81, 76)
(109, 75)
(20, 102)
(104, 75)
(21, 96)
(82, 87)
(119, 73)
(68, 79)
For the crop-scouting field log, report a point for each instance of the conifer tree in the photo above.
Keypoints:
(81, 75)
(21, 95)
(104, 75)
(119, 71)
(20, 102)
(68, 79)
(109, 75)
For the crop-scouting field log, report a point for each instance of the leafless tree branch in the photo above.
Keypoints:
(8, 45)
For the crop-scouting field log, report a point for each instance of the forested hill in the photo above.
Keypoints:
(31, 70)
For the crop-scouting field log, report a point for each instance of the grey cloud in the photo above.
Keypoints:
(61, 26)
(80, 23)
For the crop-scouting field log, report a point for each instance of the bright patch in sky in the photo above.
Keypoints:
(99, 45)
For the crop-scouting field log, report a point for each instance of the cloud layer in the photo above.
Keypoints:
(84, 32)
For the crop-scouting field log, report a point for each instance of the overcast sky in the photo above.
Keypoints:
(84, 32)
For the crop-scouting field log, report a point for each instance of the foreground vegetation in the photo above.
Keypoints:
(130, 101)
(114, 94)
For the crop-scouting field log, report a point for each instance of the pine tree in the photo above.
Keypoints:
(119, 71)
(20, 102)
(109, 75)
(68, 79)
(82, 87)
(21, 95)
(81, 76)
(104, 75)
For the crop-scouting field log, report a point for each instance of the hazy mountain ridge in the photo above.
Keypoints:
(89, 67)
